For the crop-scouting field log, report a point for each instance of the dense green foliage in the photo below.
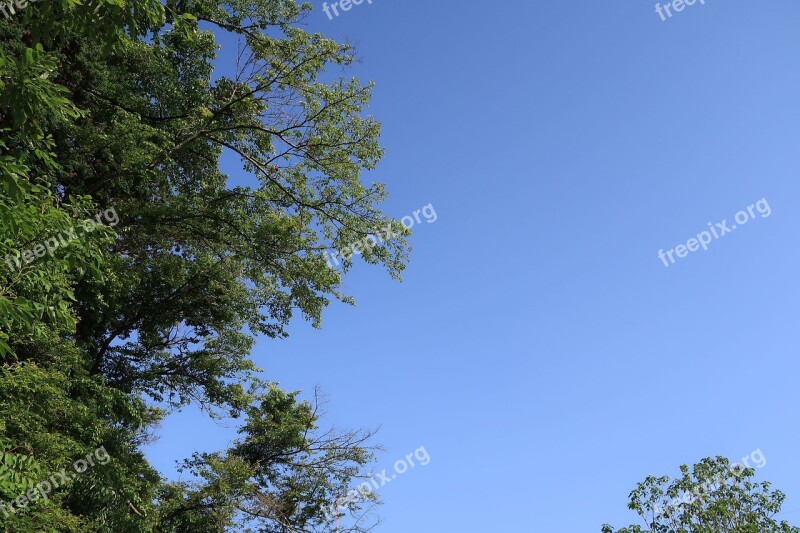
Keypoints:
(711, 497)
(117, 104)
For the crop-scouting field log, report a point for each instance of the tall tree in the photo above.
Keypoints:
(115, 105)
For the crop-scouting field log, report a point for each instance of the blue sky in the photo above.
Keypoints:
(537, 348)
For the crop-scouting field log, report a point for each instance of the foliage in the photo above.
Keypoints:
(117, 103)
(711, 497)
(18, 471)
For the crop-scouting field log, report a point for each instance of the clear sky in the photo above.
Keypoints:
(538, 348)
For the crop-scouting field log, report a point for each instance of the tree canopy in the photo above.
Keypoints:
(713, 496)
(120, 105)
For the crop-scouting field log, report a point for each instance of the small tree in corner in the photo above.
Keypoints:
(711, 497)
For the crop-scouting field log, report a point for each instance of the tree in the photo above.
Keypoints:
(711, 497)
(115, 104)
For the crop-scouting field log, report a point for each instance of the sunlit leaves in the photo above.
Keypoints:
(711, 497)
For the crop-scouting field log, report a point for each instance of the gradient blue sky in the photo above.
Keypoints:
(538, 348)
